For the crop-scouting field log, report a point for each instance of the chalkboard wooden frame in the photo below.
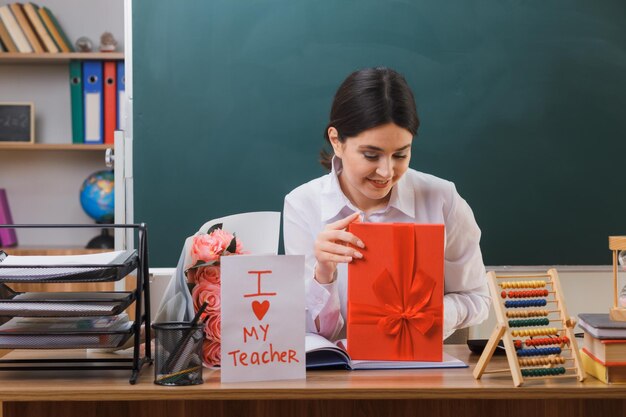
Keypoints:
(7, 132)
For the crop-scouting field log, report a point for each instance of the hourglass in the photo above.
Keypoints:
(618, 245)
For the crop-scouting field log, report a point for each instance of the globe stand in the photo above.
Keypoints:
(103, 241)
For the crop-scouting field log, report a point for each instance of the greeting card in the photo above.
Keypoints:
(262, 318)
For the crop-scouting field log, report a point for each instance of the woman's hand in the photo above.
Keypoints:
(331, 248)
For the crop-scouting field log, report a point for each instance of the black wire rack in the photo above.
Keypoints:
(59, 305)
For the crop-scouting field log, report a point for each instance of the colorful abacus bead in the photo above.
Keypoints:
(543, 371)
(525, 294)
(526, 313)
(547, 341)
(535, 332)
(523, 284)
(539, 351)
(525, 303)
(529, 322)
(551, 360)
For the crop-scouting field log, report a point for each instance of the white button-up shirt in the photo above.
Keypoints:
(416, 198)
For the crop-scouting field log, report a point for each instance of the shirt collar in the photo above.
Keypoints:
(334, 200)
(403, 197)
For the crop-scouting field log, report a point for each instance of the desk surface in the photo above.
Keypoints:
(388, 384)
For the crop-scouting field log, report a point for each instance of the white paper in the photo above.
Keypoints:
(263, 318)
(67, 324)
(104, 258)
(56, 308)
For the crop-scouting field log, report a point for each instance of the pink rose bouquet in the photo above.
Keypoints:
(204, 275)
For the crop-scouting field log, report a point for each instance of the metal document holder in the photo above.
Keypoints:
(59, 306)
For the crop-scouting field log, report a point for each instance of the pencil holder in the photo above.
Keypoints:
(178, 353)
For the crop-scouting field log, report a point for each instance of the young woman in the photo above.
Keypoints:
(372, 124)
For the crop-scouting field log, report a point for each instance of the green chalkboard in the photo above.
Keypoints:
(522, 106)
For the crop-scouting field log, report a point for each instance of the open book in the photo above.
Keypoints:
(321, 353)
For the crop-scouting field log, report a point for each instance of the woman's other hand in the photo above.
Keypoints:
(331, 248)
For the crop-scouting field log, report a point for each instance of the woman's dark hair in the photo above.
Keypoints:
(369, 98)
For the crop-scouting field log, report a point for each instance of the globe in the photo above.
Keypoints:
(96, 196)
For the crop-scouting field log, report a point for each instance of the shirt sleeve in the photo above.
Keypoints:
(466, 299)
(322, 300)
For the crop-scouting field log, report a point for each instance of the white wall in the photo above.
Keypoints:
(43, 187)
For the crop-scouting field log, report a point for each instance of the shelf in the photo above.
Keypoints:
(60, 58)
(53, 147)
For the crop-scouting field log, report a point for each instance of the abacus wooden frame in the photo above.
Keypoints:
(616, 244)
(502, 330)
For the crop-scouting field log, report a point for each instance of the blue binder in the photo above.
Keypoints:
(121, 95)
(93, 101)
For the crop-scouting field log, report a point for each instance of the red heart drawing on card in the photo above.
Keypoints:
(260, 308)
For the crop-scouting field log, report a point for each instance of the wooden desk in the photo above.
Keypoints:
(449, 392)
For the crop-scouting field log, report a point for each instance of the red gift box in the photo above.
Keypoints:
(395, 293)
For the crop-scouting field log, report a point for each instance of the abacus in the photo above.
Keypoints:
(533, 323)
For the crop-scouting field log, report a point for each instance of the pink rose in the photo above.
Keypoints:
(205, 249)
(207, 273)
(225, 238)
(209, 292)
(211, 355)
(212, 328)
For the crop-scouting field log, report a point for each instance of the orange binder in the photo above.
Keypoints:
(395, 293)
(110, 100)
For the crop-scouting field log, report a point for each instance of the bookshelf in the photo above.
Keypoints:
(43, 179)
(59, 58)
(51, 147)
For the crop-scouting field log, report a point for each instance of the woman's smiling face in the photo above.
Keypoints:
(373, 162)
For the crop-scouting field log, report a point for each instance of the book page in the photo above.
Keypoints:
(315, 342)
(448, 361)
(322, 353)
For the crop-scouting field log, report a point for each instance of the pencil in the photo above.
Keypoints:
(185, 371)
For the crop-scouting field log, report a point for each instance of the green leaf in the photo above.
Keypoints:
(201, 264)
(232, 247)
(214, 227)
(198, 264)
